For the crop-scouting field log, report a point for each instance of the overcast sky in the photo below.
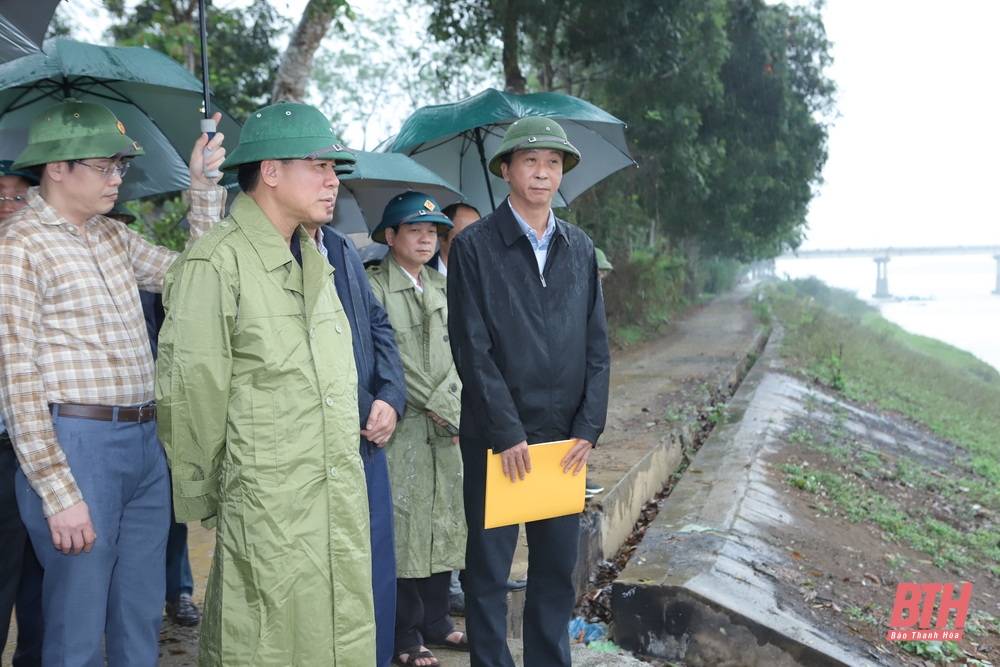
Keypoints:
(914, 154)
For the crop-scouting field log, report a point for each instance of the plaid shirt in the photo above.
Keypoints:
(72, 328)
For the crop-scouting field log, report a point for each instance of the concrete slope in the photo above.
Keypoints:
(694, 591)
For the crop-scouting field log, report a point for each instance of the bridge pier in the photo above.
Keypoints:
(882, 278)
(997, 258)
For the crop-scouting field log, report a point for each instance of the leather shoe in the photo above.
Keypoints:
(181, 610)
(516, 584)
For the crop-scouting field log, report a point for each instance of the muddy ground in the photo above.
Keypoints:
(846, 572)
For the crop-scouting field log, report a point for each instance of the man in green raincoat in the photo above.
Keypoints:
(425, 463)
(257, 392)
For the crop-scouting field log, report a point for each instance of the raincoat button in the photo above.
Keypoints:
(453, 388)
(446, 338)
(224, 223)
(329, 401)
(334, 472)
(338, 328)
(312, 333)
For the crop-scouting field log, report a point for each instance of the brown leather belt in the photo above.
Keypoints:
(106, 413)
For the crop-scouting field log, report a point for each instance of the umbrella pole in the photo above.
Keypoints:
(486, 169)
(207, 123)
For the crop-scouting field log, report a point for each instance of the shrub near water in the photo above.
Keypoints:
(846, 345)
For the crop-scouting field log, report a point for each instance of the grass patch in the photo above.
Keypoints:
(839, 341)
(842, 342)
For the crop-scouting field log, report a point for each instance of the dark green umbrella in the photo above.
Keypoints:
(377, 178)
(158, 101)
(457, 140)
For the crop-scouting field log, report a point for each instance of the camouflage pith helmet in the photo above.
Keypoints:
(602, 260)
(410, 208)
(535, 132)
(74, 130)
(289, 131)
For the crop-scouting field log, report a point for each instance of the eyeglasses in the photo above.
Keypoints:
(14, 198)
(118, 169)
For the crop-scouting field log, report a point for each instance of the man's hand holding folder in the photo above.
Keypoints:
(516, 461)
(548, 492)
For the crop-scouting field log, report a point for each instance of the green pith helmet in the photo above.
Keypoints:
(7, 170)
(535, 132)
(410, 208)
(74, 130)
(288, 131)
(602, 260)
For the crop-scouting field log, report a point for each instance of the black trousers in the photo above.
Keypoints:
(20, 573)
(553, 545)
(422, 611)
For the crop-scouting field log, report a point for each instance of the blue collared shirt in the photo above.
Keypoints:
(540, 246)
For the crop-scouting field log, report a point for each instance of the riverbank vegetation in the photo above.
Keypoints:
(926, 480)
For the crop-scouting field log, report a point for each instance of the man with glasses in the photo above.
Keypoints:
(76, 386)
(14, 185)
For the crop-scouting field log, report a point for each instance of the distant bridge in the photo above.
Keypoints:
(881, 257)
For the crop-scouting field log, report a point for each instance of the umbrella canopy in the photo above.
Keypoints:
(157, 100)
(457, 141)
(23, 25)
(377, 178)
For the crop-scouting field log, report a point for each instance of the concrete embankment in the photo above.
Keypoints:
(701, 588)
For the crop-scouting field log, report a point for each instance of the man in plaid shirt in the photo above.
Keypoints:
(76, 385)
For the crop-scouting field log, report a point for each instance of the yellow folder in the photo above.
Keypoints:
(544, 493)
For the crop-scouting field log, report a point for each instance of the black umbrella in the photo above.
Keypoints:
(23, 25)
(207, 124)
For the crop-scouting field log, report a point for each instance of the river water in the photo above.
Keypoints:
(944, 297)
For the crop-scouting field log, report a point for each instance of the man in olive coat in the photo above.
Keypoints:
(258, 396)
(529, 336)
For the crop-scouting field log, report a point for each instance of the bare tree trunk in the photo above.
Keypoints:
(514, 80)
(296, 63)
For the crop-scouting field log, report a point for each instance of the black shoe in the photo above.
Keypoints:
(592, 489)
(182, 610)
(456, 604)
(516, 584)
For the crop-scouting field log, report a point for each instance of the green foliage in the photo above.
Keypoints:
(950, 392)
(242, 60)
(725, 101)
(716, 275)
(937, 651)
(644, 289)
(954, 394)
(372, 61)
(160, 224)
(769, 129)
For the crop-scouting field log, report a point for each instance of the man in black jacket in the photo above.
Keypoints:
(529, 336)
(381, 398)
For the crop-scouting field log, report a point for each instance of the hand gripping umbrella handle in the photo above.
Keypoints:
(208, 127)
